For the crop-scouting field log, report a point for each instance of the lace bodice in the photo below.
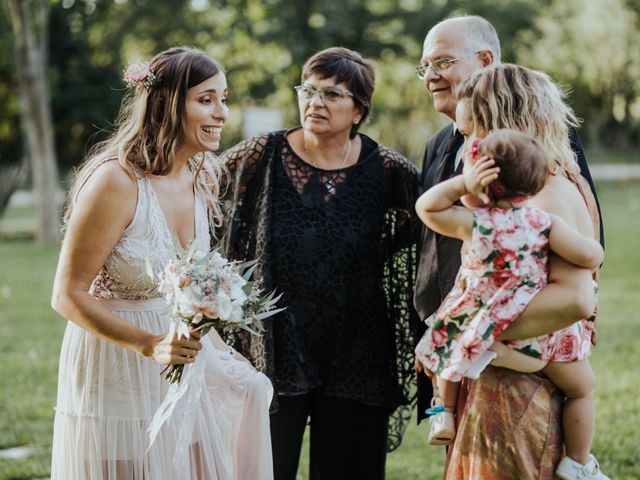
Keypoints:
(146, 243)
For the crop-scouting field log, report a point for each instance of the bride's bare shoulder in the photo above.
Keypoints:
(109, 177)
(562, 197)
(110, 187)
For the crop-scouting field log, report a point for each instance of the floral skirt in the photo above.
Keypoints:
(108, 395)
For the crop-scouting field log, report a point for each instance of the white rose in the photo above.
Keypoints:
(225, 307)
(237, 294)
(216, 260)
(183, 305)
(237, 314)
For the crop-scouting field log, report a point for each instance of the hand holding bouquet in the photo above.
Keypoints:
(207, 290)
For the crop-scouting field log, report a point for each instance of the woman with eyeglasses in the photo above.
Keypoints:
(328, 214)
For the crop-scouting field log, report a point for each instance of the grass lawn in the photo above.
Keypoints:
(31, 333)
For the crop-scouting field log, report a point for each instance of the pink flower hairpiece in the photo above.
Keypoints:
(139, 74)
(474, 150)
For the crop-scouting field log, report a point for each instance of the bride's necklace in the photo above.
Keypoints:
(344, 160)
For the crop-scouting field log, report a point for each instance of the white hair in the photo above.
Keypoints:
(479, 34)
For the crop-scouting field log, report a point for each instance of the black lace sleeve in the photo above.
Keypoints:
(246, 197)
(402, 182)
(402, 232)
(240, 166)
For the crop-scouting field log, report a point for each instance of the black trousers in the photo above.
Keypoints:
(348, 439)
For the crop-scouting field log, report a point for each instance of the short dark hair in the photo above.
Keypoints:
(521, 159)
(348, 67)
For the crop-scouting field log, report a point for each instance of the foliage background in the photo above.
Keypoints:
(263, 45)
(591, 46)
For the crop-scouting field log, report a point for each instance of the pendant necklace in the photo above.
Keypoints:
(330, 183)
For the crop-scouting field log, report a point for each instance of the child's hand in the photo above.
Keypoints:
(478, 175)
(420, 368)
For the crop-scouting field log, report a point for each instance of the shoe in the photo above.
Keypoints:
(442, 428)
(480, 364)
(569, 469)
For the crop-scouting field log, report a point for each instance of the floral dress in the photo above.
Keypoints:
(503, 267)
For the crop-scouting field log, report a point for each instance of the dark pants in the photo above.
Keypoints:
(348, 439)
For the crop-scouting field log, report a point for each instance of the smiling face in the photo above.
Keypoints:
(325, 117)
(205, 113)
(447, 41)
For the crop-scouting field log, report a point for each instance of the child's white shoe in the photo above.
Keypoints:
(442, 428)
(569, 469)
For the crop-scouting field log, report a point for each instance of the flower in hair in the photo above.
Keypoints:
(474, 150)
(139, 74)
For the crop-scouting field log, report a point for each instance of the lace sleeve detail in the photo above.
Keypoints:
(240, 160)
(400, 238)
(402, 185)
(239, 164)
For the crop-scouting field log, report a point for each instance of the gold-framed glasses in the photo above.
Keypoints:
(440, 65)
(327, 95)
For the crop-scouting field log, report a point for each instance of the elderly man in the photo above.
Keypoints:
(453, 49)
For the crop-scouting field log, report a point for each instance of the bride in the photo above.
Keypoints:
(145, 183)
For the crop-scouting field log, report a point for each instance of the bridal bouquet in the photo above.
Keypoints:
(206, 290)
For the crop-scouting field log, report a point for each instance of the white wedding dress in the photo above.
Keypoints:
(107, 395)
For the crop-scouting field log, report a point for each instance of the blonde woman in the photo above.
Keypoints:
(510, 96)
(147, 182)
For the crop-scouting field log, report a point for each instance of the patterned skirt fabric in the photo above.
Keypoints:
(509, 427)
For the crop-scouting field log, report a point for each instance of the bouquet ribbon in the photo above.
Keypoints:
(192, 382)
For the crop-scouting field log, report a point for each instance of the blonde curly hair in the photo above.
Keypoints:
(515, 97)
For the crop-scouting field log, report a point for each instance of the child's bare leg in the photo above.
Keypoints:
(442, 429)
(577, 381)
(447, 393)
(514, 360)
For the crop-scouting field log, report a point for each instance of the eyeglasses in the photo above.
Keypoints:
(327, 95)
(438, 66)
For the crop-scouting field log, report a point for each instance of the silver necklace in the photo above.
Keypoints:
(344, 160)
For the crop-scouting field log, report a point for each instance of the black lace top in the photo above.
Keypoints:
(340, 246)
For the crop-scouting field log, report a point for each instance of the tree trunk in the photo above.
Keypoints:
(10, 177)
(30, 19)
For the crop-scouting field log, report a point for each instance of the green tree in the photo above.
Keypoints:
(30, 21)
(12, 165)
(594, 52)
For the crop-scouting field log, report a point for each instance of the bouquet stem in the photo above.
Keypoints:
(173, 373)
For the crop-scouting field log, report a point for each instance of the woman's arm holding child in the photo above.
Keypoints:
(574, 247)
(569, 296)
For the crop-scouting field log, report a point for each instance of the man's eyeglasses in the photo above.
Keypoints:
(438, 66)
(327, 95)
